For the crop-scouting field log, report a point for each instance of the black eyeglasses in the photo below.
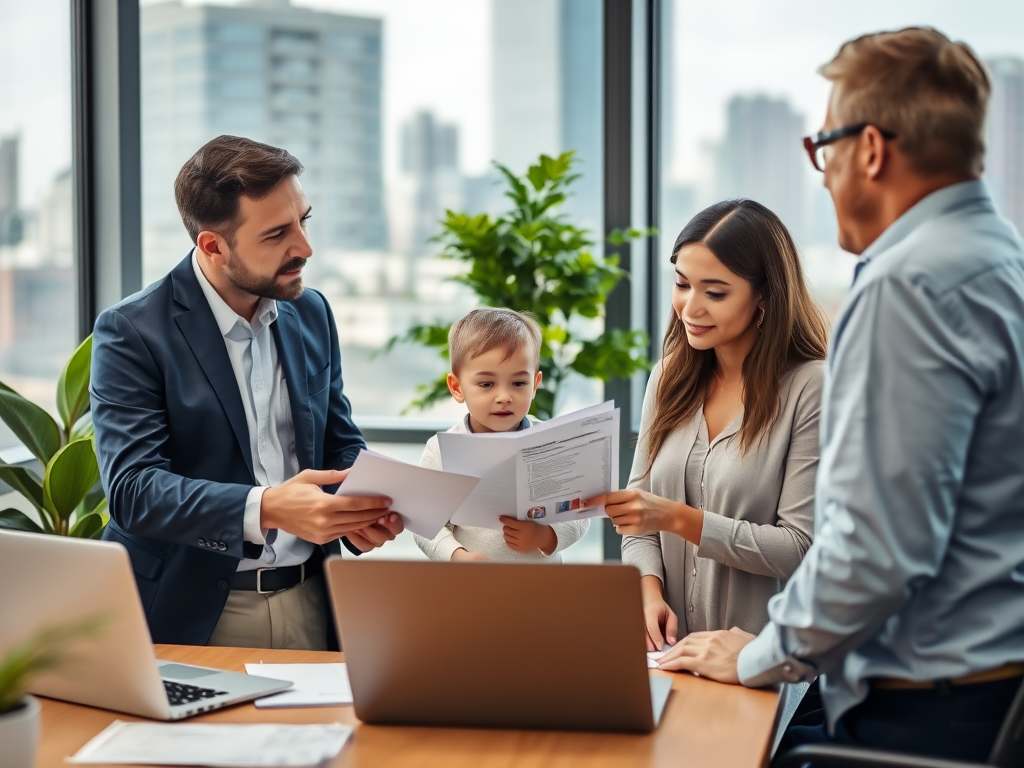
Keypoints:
(815, 145)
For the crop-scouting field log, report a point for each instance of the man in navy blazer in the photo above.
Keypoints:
(220, 418)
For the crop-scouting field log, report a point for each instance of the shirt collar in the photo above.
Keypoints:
(524, 424)
(928, 207)
(227, 319)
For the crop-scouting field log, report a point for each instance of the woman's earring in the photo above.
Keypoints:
(761, 321)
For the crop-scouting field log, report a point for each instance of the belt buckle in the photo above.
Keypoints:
(259, 580)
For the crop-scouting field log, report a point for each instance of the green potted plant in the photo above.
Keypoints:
(533, 259)
(68, 498)
(19, 712)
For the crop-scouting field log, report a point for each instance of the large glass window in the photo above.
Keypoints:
(397, 109)
(37, 281)
(740, 88)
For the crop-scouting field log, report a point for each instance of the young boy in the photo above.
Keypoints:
(495, 356)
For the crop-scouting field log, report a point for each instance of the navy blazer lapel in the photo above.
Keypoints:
(199, 327)
(292, 354)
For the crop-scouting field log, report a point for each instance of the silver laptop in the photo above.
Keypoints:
(496, 645)
(47, 581)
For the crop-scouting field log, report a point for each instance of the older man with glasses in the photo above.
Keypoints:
(910, 603)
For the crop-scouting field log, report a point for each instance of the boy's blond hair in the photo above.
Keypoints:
(493, 328)
(931, 92)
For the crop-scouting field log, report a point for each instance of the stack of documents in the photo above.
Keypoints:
(425, 498)
(543, 473)
(314, 685)
(214, 745)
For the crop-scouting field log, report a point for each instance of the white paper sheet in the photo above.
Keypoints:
(425, 498)
(494, 458)
(653, 657)
(218, 745)
(314, 685)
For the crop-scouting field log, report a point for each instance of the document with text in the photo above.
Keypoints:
(543, 474)
(425, 498)
(220, 744)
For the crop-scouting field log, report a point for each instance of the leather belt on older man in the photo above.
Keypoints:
(265, 581)
(1005, 672)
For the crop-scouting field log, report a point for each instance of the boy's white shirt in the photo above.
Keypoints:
(483, 540)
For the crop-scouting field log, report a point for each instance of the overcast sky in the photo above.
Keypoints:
(437, 57)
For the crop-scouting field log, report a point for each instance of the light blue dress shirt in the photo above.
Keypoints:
(268, 415)
(917, 566)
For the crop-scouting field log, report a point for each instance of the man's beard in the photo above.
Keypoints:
(264, 287)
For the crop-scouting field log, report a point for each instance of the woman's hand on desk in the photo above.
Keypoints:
(709, 654)
(634, 512)
(661, 621)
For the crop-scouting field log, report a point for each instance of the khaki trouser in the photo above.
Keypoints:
(294, 618)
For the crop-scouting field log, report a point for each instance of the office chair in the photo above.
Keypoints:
(1008, 751)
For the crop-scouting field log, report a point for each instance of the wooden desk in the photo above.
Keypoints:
(705, 724)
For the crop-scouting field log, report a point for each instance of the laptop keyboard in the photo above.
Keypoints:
(179, 693)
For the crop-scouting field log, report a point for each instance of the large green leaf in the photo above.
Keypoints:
(83, 429)
(94, 498)
(25, 482)
(13, 520)
(69, 476)
(87, 526)
(30, 424)
(73, 385)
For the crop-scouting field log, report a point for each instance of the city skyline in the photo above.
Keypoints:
(308, 81)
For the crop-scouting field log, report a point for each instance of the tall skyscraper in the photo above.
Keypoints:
(760, 157)
(1004, 165)
(10, 216)
(547, 86)
(430, 163)
(309, 81)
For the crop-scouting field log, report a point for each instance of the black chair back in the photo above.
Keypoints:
(1008, 751)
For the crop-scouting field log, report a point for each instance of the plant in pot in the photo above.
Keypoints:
(533, 259)
(19, 712)
(68, 499)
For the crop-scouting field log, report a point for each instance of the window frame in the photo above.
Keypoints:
(107, 168)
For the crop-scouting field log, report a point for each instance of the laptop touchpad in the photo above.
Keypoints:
(182, 672)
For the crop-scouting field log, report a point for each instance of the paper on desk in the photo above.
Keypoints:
(425, 498)
(314, 685)
(218, 745)
(653, 657)
(493, 457)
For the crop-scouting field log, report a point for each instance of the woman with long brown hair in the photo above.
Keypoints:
(719, 509)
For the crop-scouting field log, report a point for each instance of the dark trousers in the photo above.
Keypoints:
(952, 721)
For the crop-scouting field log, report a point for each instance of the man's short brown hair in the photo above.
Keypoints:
(209, 185)
(931, 92)
(493, 328)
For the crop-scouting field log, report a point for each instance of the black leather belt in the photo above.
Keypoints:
(267, 580)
